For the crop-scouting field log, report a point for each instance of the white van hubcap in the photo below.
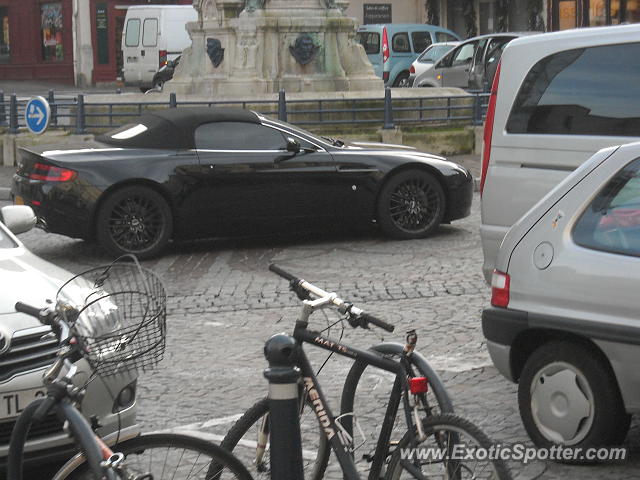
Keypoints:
(562, 403)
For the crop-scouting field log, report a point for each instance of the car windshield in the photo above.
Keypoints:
(5, 240)
(433, 53)
(310, 136)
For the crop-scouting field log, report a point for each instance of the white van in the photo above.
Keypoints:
(153, 35)
(557, 98)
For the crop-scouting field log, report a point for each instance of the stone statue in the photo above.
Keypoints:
(207, 9)
(253, 5)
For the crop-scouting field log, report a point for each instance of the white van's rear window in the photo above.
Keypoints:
(132, 37)
(150, 32)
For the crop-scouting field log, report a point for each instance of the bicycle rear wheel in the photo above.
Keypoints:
(453, 449)
(168, 456)
(248, 434)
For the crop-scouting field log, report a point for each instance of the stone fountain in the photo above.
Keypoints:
(243, 48)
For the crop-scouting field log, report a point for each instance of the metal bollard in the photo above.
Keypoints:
(80, 116)
(388, 110)
(173, 101)
(282, 106)
(52, 105)
(3, 112)
(284, 421)
(477, 110)
(13, 114)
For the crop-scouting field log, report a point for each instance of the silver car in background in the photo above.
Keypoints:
(565, 305)
(26, 351)
(427, 59)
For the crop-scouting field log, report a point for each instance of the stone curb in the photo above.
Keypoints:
(5, 193)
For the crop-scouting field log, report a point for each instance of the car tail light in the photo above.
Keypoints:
(500, 289)
(385, 45)
(412, 69)
(418, 385)
(488, 128)
(49, 173)
(162, 57)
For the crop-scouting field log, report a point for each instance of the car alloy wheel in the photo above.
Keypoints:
(135, 220)
(411, 204)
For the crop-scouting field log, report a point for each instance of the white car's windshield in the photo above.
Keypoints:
(5, 240)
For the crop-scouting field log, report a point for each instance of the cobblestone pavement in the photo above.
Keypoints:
(223, 304)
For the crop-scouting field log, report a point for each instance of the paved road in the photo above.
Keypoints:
(223, 304)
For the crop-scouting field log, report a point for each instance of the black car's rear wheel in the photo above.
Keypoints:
(134, 220)
(411, 205)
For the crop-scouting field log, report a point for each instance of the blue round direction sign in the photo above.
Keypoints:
(37, 115)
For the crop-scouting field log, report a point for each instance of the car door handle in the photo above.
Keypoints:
(142, 52)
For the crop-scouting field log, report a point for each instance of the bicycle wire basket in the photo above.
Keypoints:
(121, 316)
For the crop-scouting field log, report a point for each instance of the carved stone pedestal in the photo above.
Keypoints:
(298, 46)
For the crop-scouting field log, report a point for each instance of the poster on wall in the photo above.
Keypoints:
(51, 24)
(376, 13)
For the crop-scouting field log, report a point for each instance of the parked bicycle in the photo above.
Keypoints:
(115, 318)
(413, 379)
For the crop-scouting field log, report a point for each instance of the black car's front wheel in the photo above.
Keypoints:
(134, 220)
(411, 205)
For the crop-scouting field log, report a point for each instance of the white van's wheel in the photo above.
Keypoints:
(569, 396)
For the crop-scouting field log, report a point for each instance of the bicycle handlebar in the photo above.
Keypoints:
(39, 313)
(354, 312)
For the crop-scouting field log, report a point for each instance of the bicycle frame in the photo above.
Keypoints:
(323, 412)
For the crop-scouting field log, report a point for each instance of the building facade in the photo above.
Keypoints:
(476, 17)
(67, 41)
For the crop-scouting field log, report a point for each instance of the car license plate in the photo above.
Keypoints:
(12, 403)
(18, 200)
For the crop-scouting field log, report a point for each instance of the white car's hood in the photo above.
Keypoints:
(26, 278)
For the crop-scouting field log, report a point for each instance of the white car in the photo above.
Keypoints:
(25, 353)
(428, 58)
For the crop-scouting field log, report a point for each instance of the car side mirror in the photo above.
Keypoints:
(293, 145)
(18, 218)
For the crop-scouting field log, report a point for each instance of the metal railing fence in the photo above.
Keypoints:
(79, 116)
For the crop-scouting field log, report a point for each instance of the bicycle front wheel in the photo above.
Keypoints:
(248, 439)
(161, 456)
(453, 448)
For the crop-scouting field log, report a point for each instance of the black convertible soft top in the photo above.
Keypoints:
(172, 128)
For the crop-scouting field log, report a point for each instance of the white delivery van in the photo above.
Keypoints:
(153, 35)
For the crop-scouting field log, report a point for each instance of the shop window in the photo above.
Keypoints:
(566, 14)
(597, 13)
(5, 50)
(51, 25)
(633, 11)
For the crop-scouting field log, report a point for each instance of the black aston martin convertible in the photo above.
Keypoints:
(203, 172)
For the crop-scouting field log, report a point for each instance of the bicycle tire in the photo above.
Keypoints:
(192, 455)
(461, 431)
(437, 390)
(315, 468)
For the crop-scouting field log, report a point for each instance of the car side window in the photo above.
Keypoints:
(464, 55)
(132, 37)
(445, 37)
(586, 91)
(448, 58)
(400, 43)
(238, 136)
(370, 41)
(421, 40)
(611, 222)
